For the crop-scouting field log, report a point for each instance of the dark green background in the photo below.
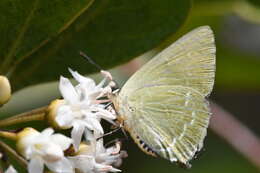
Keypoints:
(113, 32)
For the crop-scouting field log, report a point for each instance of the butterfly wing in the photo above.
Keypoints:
(170, 120)
(190, 61)
(163, 104)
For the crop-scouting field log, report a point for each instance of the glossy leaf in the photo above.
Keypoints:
(255, 2)
(42, 39)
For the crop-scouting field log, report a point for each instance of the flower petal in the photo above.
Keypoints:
(106, 74)
(82, 79)
(35, 165)
(118, 162)
(96, 125)
(62, 141)
(86, 123)
(104, 91)
(106, 114)
(114, 149)
(84, 163)
(62, 166)
(100, 147)
(105, 168)
(89, 135)
(109, 160)
(11, 170)
(64, 116)
(94, 95)
(76, 134)
(47, 132)
(51, 152)
(68, 91)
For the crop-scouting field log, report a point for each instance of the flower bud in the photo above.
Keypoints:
(24, 138)
(5, 90)
(52, 114)
(44, 148)
(52, 154)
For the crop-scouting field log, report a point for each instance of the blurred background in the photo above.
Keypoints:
(236, 24)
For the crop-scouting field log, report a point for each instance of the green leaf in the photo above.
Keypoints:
(255, 2)
(43, 38)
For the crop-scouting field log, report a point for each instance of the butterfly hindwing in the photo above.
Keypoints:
(171, 120)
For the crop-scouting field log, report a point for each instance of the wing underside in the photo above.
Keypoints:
(190, 62)
(164, 102)
(172, 121)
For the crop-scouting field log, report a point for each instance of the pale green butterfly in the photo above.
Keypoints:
(163, 105)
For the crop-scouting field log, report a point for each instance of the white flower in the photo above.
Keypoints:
(94, 158)
(44, 148)
(81, 109)
(11, 170)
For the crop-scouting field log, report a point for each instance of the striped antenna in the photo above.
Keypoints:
(90, 60)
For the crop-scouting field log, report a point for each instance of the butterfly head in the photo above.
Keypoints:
(113, 98)
(116, 100)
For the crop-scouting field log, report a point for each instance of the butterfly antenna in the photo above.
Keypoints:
(109, 133)
(115, 141)
(105, 73)
(108, 105)
(90, 60)
(113, 131)
(124, 132)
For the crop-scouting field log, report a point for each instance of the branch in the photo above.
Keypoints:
(14, 154)
(34, 115)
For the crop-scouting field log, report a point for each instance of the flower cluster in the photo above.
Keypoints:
(94, 158)
(81, 109)
(44, 148)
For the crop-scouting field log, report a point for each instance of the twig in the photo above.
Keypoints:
(34, 115)
(8, 135)
(14, 154)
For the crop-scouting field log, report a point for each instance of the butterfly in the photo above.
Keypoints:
(163, 105)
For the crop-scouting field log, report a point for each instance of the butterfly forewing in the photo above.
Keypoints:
(190, 61)
(164, 102)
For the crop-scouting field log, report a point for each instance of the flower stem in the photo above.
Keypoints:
(14, 154)
(34, 115)
(8, 135)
